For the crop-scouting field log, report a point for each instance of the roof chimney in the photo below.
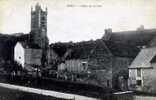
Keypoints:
(107, 34)
(141, 27)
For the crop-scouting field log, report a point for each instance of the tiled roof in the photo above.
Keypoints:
(143, 59)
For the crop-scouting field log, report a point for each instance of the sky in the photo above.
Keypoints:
(79, 20)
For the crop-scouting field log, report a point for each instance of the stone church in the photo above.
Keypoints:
(32, 50)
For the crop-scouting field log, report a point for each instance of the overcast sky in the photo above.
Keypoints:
(77, 20)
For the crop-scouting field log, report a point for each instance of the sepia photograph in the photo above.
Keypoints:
(77, 50)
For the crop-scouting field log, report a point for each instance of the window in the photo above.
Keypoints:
(108, 83)
(84, 65)
(139, 82)
(19, 57)
(43, 18)
(139, 72)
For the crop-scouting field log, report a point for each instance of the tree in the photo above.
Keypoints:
(12, 66)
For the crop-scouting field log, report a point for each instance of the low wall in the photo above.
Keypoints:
(133, 96)
(144, 97)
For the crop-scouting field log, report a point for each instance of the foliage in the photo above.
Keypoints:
(10, 66)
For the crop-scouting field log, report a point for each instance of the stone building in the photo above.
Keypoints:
(38, 32)
(86, 57)
(28, 55)
(33, 46)
(102, 61)
(107, 59)
(125, 46)
(139, 37)
(142, 71)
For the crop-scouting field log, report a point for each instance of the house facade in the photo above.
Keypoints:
(77, 66)
(73, 69)
(103, 62)
(142, 71)
(26, 55)
(108, 58)
(88, 61)
(19, 53)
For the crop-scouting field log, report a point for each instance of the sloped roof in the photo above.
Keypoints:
(135, 38)
(144, 58)
(61, 48)
(97, 48)
(82, 50)
(90, 49)
(122, 50)
(121, 44)
(153, 59)
(26, 44)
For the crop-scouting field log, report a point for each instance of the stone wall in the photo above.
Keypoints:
(149, 79)
(33, 56)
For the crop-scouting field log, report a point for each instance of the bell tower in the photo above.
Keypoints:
(38, 32)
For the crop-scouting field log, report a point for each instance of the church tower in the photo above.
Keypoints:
(38, 32)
